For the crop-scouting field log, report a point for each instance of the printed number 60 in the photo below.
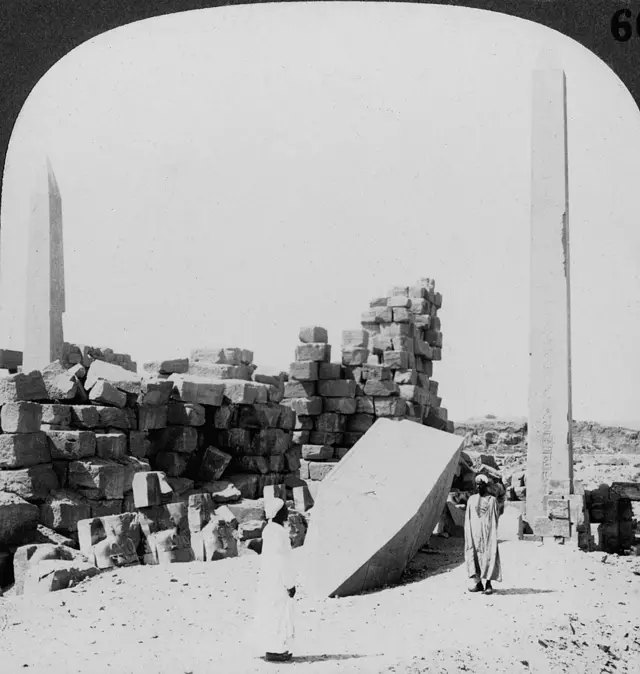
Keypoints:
(621, 29)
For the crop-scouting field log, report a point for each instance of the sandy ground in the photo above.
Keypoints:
(557, 610)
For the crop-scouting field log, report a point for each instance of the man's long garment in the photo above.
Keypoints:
(481, 553)
(274, 618)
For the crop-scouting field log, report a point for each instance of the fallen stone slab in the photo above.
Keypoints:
(19, 450)
(117, 376)
(297, 529)
(63, 509)
(32, 484)
(362, 535)
(193, 389)
(21, 417)
(166, 535)
(18, 519)
(180, 485)
(43, 534)
(33, 576)
(247, 509)
(22, 386)
(104, 479)
(132, 466)
(104, 393)
(71, 445)
(111, 541)
(214, 463)
(149, 488)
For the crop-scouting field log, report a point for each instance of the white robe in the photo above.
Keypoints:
(274, 616)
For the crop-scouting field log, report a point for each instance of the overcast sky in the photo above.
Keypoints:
(229, 175)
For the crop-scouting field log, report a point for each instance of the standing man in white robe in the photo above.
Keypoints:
(274, 619)
(482, 557)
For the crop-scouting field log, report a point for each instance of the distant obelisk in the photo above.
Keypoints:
(45, 301)
(550, 451)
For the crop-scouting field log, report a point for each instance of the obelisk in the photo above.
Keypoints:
(550, 453)
(45, 301)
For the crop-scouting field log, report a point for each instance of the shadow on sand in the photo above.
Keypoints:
(322, 658)
(521, 590)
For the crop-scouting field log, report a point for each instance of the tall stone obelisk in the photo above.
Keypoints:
(45, 300)
(550, 452)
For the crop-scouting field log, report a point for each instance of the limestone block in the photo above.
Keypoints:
(165, 530)
(302, 499)
(337, 388)
(111, 541)
(341, 405)
(63, 509)
(139, 444)
(104, 393)
(18, 519)
(263, 392)
(105, 508)
(300, 389)
(313, 334)
(304, 469)
(56, 574)
(275, 491)
(56, 414)
(396, 360)
(152, 417)
(222, 491)
(271, 441)
(112, 417)
(180, 485)
(390, 407)
(85, 416)
(111, 445)
(368, 543)
(330, 423)
(221, 355)
(379, 372)
(117, 376)
(219, 370)
(21, 417)
(251, 529)
(318, 470)
(304, 406)
(185, 414)
(414, 394)
(330, 370)
(183, 439)
(250, 463)
(277, 464)
(19, 450)
(174, 366)
(59, 382)
(104, 478)
(292, 458)
(543, 526)
(133, 465)
(21, 386)
(236, 440)
(246, 483)
(149, 488)
(240, 392)
(287, 419)
(32, 484)
(174, 464)
(192, 389)
(303, 371)
(359, 423)
(214, 463)
(61, 469)
(365, 405)
(154, 391)
(355, 356)
(259, 416)
(71, 445)
(318, 351)
(301, 437)
(381, 343)
(316, 452)
(379, 388)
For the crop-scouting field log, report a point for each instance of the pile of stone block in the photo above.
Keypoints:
(81, 354)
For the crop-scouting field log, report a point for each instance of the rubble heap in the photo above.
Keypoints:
(81, 354)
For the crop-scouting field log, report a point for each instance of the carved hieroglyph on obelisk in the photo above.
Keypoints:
(45, 301)
(550, 453)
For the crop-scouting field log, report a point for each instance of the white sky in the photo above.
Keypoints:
(229, 175)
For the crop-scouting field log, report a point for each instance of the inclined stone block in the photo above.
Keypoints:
(52, 575)
(111, 541)
(85, 416)
(369, 544)
(63, 509)
(21, 417)
(19, 450)
(173, 464)
(359, 423)
(152, 417)
(319, 352)
(390, 407)
(303, 371)
(240, 392)
(111, 445)
(32, 484)
(299, 389)
(21, 386)
(341, 405)
(139, 444)
(124, 380)
(105, 393)
(71, 445)
(155, 392)
(182, 439)
(59, 382)
(214, 463)
(18, 519)
(174, 366)
(271, 441)
(337, 388)
(317, 452)
(304, 406)
(104, 478)
(313, 334)
(149, 489)
(133, 465)
(57, 415)
(247, 484)
(192, 389)
(318, 470)
(185, 414)
(222, 491)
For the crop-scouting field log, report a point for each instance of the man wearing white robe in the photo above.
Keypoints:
(274, 618)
